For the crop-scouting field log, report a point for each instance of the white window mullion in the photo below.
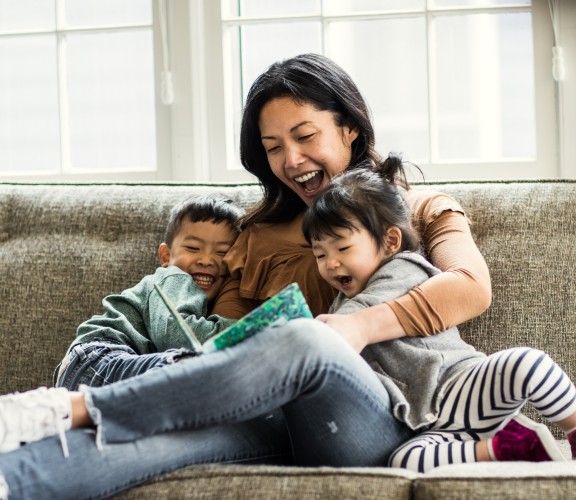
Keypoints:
(432, 102)
(325, 26)
(63, 103)
(547, 126)
(65, 156)
(232, 79)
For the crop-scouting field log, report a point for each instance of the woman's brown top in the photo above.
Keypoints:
(267, 257)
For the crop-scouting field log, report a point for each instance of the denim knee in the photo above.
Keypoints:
(311, 336)
(80, 365)
(101, 363)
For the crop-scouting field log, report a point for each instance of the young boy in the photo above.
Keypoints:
(136, 331)
(464, 404)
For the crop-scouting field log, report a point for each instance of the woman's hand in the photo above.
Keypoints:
(366, 326)
(348, 327)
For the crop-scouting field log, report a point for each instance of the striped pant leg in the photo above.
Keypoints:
(434, 448)
(483, 399)
(500, 385)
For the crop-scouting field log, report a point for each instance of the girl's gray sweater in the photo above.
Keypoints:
(414, 370)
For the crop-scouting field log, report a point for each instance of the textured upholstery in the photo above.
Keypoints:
(63, 247)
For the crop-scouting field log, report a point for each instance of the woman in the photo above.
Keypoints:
(223, 407)
(305, 122)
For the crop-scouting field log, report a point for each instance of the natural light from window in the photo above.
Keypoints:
(449, 83)
(77, 86)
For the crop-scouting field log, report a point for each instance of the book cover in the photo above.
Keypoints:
(288, 303)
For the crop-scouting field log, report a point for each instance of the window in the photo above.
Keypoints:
(77, 88)
(464, 88)
(451, 83)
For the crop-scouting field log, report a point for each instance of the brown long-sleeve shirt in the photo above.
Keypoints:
(267, 257)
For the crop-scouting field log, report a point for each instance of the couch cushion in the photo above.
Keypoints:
(510, 481)
(265, 482)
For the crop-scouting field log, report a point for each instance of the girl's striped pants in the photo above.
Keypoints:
(482, 400)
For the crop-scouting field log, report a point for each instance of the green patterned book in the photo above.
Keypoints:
(288, 303)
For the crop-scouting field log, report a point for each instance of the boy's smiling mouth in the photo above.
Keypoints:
(203, 280)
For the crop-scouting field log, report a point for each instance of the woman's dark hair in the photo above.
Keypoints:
(307, 78)
(367, 197)
(206, 208)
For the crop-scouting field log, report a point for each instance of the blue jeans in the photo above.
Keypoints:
(297, 394)
(102, 363)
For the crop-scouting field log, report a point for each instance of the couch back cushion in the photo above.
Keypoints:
(64, 247)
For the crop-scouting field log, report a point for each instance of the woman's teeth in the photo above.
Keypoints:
(311, 181)
(305, 177)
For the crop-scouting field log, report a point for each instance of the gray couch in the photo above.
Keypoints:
(64, 247)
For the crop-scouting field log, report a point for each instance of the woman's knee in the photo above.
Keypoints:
(313, 336)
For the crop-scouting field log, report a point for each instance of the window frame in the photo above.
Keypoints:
(225, 165)
(66, 172)
(196, 144)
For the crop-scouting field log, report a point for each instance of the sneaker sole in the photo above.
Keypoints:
(545, 436)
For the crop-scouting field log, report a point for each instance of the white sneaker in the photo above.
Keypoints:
(33, 415)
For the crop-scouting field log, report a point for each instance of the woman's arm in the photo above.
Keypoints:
(460, 293)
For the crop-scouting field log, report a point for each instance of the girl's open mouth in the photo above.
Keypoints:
(344, 281)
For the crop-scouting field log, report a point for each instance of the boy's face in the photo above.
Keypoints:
(349, 260)
(198, 249)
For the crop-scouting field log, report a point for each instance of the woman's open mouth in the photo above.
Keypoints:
(310, 182)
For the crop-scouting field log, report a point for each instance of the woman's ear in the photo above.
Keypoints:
(393, 240)
(351, 134)
(164, 254)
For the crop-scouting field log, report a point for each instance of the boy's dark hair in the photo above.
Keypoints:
(367, 197)
(203, 209)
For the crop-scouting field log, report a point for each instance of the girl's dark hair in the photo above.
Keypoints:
(203, 209)
(367, 197)
(307, 78)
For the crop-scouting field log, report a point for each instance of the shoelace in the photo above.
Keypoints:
(60, 427)
(63, 440)
(3, 426)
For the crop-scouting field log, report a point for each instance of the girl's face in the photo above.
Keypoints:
(348, 260)
(305, 147)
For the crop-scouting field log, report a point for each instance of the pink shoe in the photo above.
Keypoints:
(572, 440)
(524, 440)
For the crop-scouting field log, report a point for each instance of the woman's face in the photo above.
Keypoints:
(305, 147)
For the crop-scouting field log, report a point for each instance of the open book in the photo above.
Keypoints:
(288, 303)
